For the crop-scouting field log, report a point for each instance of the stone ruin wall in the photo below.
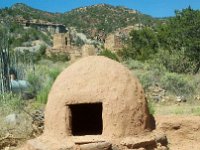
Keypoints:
(62, 45)
(61, 41)
(113, 42)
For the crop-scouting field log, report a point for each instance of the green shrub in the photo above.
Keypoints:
(171, 61)
(142, 45)
(34, 80)
(42, 50)
(27, 35)
(53, 73)
(177, 84)
(42, 95)
(109, 54)
(134, 64)
(37, 56)
(59, 57)
(78, 42)
(147, 78)
(151, 107)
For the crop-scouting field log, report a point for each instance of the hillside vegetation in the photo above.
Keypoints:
(92, 20)
(174, 46)
(105, 18)
(22, 10)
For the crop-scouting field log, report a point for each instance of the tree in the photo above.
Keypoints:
(142, 45)
(184, 35)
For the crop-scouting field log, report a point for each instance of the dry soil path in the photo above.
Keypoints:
(183, 132)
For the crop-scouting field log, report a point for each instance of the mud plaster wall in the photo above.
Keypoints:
(98, 79)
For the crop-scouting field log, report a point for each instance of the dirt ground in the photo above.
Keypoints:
(183, 131)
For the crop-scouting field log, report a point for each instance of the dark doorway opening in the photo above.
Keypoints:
(86, 119)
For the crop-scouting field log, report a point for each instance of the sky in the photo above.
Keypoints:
(155, 8)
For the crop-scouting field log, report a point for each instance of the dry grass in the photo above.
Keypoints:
(43, 76)
(177, 109)
(12, 133)
(13, 105)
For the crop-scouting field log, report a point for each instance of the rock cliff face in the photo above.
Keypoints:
(52, 28)
(41, 25)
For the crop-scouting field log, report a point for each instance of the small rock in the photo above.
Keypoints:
(160, 147)
(139, 142)
(157, 98)
(162, 139)
(96, 146)
(181, 99)
(197, 97)
(27, 96)
(12, 119)
(115, 147)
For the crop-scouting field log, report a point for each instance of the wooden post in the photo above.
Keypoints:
(5, 85)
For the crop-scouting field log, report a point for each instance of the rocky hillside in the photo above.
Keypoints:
(92, 20)
(104, 18)
(20, 10)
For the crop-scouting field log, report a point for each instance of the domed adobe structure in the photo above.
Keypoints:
(104, 82)
(96, 96)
